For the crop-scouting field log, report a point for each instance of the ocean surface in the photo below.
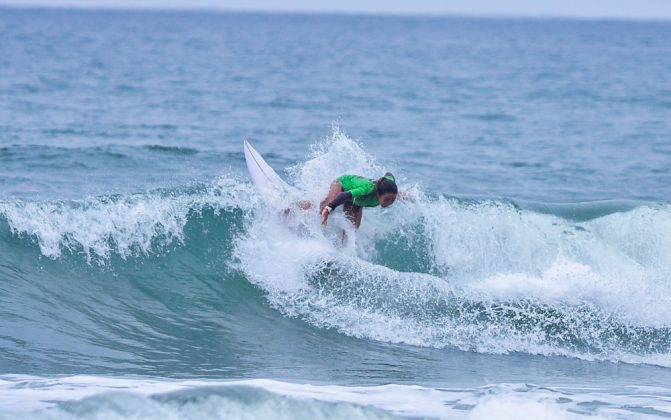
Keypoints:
(527, 275)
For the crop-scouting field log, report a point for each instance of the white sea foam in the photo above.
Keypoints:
(482, 260)
(112, 397)
(127, 226)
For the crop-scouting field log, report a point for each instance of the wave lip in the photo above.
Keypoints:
(130, 225)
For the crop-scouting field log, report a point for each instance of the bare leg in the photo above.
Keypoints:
(354, 214)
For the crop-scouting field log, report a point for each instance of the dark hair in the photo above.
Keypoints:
(387, 184)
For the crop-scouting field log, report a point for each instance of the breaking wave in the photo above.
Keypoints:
(590, 280)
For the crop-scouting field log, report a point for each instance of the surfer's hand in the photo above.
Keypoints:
(325, 215)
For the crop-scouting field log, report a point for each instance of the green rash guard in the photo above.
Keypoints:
(362, 189)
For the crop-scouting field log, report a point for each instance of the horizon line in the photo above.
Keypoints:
(224, 10)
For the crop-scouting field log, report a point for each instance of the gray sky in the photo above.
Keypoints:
(623, 9)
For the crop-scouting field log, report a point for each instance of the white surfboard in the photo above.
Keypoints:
(274, 190)
(279, 195)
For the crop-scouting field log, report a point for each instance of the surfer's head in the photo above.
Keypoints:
(386, 190)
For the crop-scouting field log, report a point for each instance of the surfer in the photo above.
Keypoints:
(353, 191)
(356, 192)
